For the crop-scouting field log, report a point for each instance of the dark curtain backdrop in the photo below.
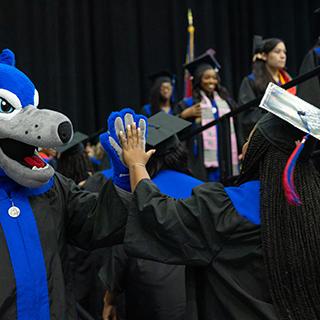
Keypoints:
(89, 57)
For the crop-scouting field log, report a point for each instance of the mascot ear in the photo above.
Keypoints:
(7, 57)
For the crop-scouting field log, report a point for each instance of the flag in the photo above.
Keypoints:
(189, 55)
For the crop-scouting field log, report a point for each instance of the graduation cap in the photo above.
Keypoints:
(202, 63)
(75, 145)
(94, 138)
(257, 44)
(163, 131)
(161, 76)
(290, 119)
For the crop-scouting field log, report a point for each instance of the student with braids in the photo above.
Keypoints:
(251, 251)
(152, 290)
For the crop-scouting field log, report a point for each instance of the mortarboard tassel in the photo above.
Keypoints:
(288, 174)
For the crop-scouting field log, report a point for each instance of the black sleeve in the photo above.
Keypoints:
(188, 232)
(246, 91)
(248, 118)
(310, 89)
(89, 223)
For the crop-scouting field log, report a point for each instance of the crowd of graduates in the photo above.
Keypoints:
(191, 266)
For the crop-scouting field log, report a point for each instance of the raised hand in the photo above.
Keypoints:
(134, 147)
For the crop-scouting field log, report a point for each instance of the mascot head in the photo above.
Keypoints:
(24, 127)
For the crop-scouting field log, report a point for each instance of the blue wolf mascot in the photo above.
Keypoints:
(40, 210)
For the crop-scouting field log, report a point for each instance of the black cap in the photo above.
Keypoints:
(163, 131)
(279, 132)
(257, 44)
(202, 63)
(163, 76)
(75, 145)
(283, 135)
(94, 137)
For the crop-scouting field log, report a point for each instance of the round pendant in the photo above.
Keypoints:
(14, 212)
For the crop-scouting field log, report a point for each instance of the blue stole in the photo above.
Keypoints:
(182, 186)
(317, 51)
(246, 200)
(23, 242)
(180, 189)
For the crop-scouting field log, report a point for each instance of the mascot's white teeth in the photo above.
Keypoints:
(39, 169)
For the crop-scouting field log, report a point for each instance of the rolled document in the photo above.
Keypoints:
(292, 109)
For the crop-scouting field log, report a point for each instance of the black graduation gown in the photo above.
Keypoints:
(222, 250)
(249, 117)
(152, 290)
(310, 89)
(146, 289)
(62, 214)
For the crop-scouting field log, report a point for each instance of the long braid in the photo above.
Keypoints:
(290, 234)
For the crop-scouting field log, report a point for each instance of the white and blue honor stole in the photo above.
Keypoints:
(25, 250)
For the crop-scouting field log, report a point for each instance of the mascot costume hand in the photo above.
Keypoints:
(117, 122)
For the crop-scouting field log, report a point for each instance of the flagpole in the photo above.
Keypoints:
(189, 55)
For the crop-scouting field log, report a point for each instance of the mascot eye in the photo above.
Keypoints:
(5, 106)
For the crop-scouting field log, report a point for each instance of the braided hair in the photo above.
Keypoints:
(290, 234)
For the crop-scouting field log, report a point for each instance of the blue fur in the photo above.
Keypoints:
(7, 57)
(15, 81)
(120, 171)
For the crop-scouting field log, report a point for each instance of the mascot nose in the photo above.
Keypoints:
(65, 131)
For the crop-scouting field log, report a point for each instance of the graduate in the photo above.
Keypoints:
(161, 94)
(268, 65)
(310, 89)
(73, 161)
(209, 101)
(152, 290)
(251, 251)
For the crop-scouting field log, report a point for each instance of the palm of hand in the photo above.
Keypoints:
(134, 147)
